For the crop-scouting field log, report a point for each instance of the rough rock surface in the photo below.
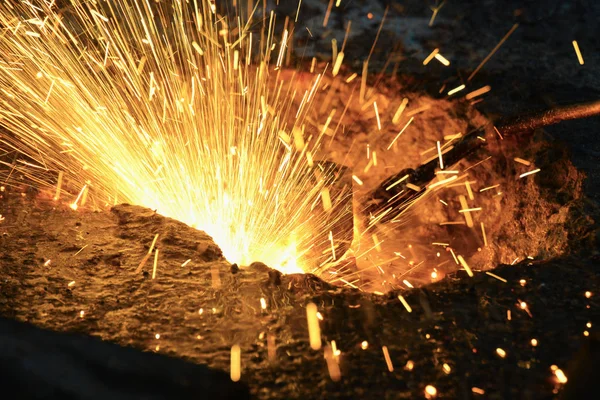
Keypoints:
(202, 309)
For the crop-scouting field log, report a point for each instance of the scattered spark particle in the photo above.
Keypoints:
(58, 185)
(434, 275)
(466, 210)
(508, 315)
(338, 63)
(446, 368)
(357, 180)
(407, 283)
(523, 305)
(409, 365)
(81, 314)
(588, 294)
(485, 242)
(589, 325)
(578, 52)
(388, 360)
(399, 111)
(71, 284)
(487, 58)
(534, 342)
(430, 56)
(465, 265)
(155, 264)
(332, 366)
(201, 311)
(586, 333)
(521, 161)
(320, 316)
(271, 348)
(47, 263)
(477, 390)
(501, 353)
(157, 336)
(236, 361)
(522, 282)
(364, 345)
(465, 206)
(314, 331)
(430, 391)
(351, 77)
(377, 115)
(147, 256)
(442, 59)
(560, 375)
(186, 262)
(435, 11)
(456, 90)
(405, 303)
(478, 92)
(400, 133)
(370, 15)
(496, 276)
(439, 150)
(263, 303)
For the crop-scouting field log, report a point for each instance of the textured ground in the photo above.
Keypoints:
(465, 318)
(57, 263)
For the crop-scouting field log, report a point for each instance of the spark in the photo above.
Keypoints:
(535, 171)
(494, 50)
(560, 375)
(235, 363)
(578, 52)
(409, 365)
(364, 345)
(435, 10)
(442, 59)
(431, 56)
(501, 353)
(388, 360)
(534, 342)
(74, 205)
(477, 390)
(485, 242)
(332, 366)
(405, 303)
(400, 133)
(399, 111)
(521, 161)
(155, 264)
(58, 186)
(456, 90)
(430, 391)
(439, 150)
(314, 331)
(588, 294)
(465, 265)
(478, 92)
(263, 303)
(446, 368)
(128, 113)
(496, 276)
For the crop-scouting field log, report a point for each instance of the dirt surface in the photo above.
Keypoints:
(57, 263)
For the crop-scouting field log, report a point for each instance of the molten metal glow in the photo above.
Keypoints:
(166, 106)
